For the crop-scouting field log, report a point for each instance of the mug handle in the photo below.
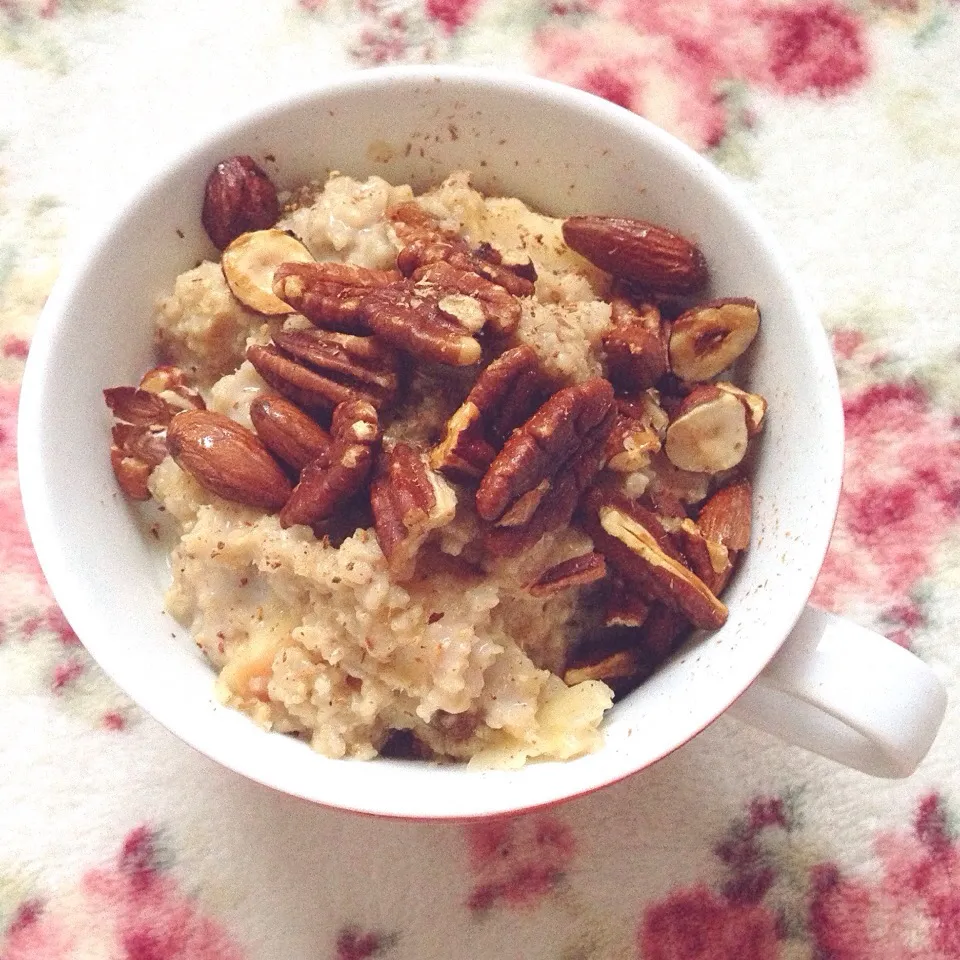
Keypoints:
(848, 694)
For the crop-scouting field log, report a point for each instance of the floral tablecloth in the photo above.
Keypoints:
(841, 120)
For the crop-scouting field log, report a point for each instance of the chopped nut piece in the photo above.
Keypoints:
(629, 445)
(137, 406)
(637, 251)
(709, 559)
(131, 473)
(622, 665)
(706, 340)
(624, 606)
(329, 294)
(710, 432)
(560, 446)
(635, 346)
(170, 384)
(725, 517)
(238, 197)
(287, 432)
(409, 501)
(317, 369)
(753, 403)
(147, 444)
(426, 242)
(250, 261)
(227, 459)
(632, 539)
(330, 480)
(576, 572)
(409, 318)
(662, 631)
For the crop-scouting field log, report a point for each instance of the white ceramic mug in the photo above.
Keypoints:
(813, 679)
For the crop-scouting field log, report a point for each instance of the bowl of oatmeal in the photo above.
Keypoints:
(447, 468)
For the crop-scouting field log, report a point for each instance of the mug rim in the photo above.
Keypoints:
(55, 317)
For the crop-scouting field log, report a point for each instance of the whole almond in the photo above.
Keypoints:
(227, 459)
(637, 251)
(287, 432)
(725, 517)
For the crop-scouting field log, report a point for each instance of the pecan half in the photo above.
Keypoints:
(170, 384)
(635, 347)
(239, 196)
(635, 543)
(341, 471)
(137, 406)
(535, 481)
(287, 432)
(227, 459)
(504, 395)
(662, 631)
(640, 252)
(329, 294)
(500, 310)
(410, 318)
(409, 501)
(575, 572)
(318, 369)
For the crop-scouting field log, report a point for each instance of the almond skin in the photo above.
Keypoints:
(642, 253)
(227, 459)
(287, 432)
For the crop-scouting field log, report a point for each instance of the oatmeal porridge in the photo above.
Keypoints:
(445, 474)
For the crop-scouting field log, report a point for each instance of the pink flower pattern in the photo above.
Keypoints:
(517, 862)
(133, 910)
(891, 521)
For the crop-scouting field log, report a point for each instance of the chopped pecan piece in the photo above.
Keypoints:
(410, 318)
(287, 432)
(426, 242)
(409, 500)
(139, 438)
(535, 481)
(610, 667)
(575, 572)
(318, 369)
(500, 310)
(337, 474)
(137, 406)
(624, 606)
(629, 445)
(632, 539)
(635, 346)
(505, 394)
(329, 294)
(709, 559)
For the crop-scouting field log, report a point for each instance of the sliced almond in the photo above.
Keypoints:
(706, 340)
(249, 262)
(710, 432)
(227, 459)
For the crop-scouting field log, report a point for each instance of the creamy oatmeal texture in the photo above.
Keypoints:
(315, 639)
(531, 482)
